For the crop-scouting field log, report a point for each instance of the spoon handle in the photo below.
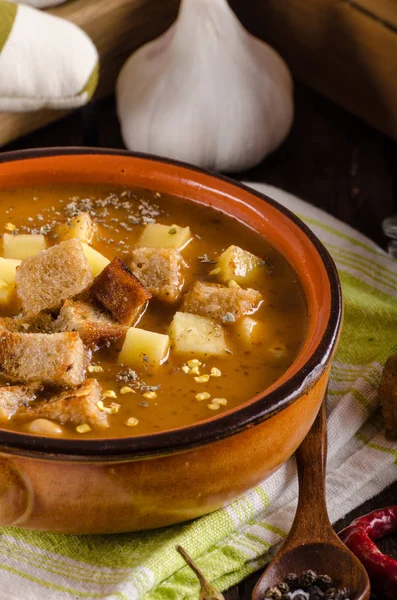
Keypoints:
(311, 520)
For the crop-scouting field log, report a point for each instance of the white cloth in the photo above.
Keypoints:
(41, 3)
(45, 62)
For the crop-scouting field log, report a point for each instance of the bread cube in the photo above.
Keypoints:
(76, 407)
(223, 304)
(12, 398)
(45, 280)
(95, 325)
(155, 235)
(143, 348)
(23, 245)
(120, 292)
(81, 226)
(240, 266)
(96, 260)
(250, 332)
(196, 335)
(160, 271)
(48, 359)
(41, 323)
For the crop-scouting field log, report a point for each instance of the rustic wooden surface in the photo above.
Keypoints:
(330, 159)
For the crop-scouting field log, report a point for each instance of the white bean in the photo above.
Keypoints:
(44, 427)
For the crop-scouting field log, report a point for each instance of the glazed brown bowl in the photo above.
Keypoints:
(116, 485)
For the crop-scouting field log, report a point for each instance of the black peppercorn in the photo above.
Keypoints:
(286, 597)
(315, 592)
(283, 587)
(345, 592)
(330, 593)
(324, 581)
(293, 580)
(307, 578)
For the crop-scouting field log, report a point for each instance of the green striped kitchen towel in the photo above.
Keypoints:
(45, 61)
(233, 542)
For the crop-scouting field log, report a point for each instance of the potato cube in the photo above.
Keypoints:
(240, 266)
(164, 236)
(22, 246)
(143, 348)
(250, 331)
(196, 335)
(96, 260)
(81, 226)
(6, 292)
(8, 267)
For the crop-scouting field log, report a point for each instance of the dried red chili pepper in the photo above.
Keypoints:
(360, 536)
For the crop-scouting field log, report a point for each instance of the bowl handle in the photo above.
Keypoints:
(14, 494)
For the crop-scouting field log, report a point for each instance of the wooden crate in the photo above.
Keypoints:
(344, 49)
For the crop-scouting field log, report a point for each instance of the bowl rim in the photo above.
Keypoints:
(204, 432)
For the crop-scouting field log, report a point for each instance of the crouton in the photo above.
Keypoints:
(224, 304)
(44, 280)
(160, 271)
(55, 359)
(41, 323)
(388, 396)
(94, 324)
(120, 292)
(12, 398)
(76, 407)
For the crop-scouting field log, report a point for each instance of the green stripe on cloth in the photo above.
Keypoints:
(233, 542)
(8, 12)
(92, 82)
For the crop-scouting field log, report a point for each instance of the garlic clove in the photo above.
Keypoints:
(207, 591)
(206, 92)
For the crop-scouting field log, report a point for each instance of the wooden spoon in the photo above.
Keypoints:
(312, 543)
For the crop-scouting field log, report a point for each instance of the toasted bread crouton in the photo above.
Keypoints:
(120, 292)
(12, 398)
(224, 304)
(44, 280)
(76, 407)
(41, 323)
(95, 326)
(54, 359)
(388, 396)
(160, 271)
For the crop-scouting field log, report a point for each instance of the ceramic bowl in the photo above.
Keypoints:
(117, 485)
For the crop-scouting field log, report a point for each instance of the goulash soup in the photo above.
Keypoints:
(126, 312)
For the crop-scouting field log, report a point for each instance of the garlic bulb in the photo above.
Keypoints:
(205, 92)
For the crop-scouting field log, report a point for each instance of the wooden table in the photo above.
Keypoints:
(330, 159)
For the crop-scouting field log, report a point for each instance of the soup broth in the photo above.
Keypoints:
(186, 387)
